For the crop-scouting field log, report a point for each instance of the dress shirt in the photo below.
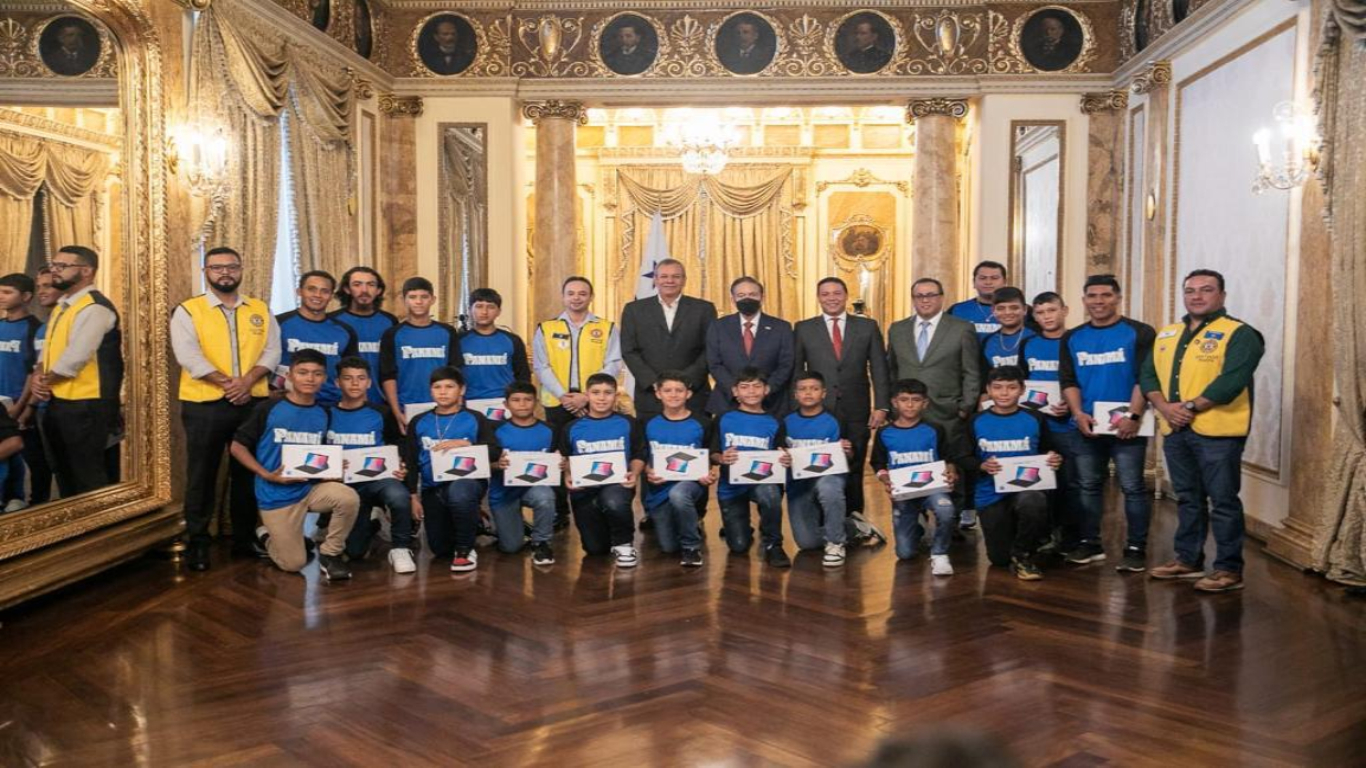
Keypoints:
(540, 358)
(87, 331)
(185, 341)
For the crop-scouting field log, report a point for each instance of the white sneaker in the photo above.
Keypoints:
(834, 555)
(262, 533)
(15, 505)
(939, 565)
(402, 560)
(626, 555)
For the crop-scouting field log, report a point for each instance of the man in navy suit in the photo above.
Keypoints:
(749, 338)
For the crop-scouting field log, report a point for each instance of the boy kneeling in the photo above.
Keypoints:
(750, 428)
(672, 504)
(815, 499)
(522, 431)
(603, 513)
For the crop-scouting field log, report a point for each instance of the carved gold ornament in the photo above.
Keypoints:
(1088, 40)
(481, 46)
(595, 45)
(1157, 73)
(361, 87)
(918, 108)
(1004, 57)
(400, 106)
(779, 44)
(898, 43)
(861, 178)
(810, 57)
(20, 57)
(1105, 101)
(537, 111)
(947, 36)
(852, 262)
(551, 41)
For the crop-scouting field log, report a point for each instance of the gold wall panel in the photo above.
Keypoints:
(588, 136)
(830, 136)
(881, 137)
(636, 136)
(782, 135)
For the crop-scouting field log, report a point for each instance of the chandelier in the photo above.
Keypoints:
(703, 142)
(1298, 146)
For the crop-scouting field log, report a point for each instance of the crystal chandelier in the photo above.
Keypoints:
(703, 143)
(1298, 145)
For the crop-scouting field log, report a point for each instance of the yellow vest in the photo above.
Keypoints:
(1201, 364)
(102, 375)
(215, 341)
(561, 352)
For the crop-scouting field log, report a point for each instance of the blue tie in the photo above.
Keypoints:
(922, 342)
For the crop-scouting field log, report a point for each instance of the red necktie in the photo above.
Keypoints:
(837, 338)
(749, 337)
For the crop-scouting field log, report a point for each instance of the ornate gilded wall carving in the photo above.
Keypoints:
(20, 55)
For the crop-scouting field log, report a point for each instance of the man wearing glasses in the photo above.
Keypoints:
(226, 344)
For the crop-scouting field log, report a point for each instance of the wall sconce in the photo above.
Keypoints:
(200, 150)
(1296, 139)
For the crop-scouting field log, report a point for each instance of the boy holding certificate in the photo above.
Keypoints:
(412, 350)
(448, 505)
(523, 432)
(813, 499)
(672, 504)
(603, 513)
(910, 441)
(749, 428)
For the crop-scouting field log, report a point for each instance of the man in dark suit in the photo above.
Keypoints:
(71, 47)
(667, 332)
(749, 338)
(847, 351)
(444, 52)
(629, 53)
(867, 54)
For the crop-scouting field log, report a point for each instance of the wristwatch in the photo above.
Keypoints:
(1131, 416)
(1189, 405)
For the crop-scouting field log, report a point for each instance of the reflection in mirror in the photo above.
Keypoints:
(62, 287)
(1036, 205)
(463, 215)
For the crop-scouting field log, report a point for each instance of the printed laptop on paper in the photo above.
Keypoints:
(820, 462)
(463, 465)
(601, 470)
(313, 464)
(1035, 399)
(534, 472)
(1025, 477)
(759, 470)
(372, 466)
(678, 462)
(918, 480)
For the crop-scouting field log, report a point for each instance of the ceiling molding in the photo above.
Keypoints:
(74, 92)
(1190, 31)
(300, 32)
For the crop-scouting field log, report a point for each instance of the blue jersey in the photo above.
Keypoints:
(430, 428)
(18, 354)
(1104, 361)
(327, 336)
(1039, 358)
(922, 443)
(664, 435)
(537, 436)
(982, 316)
(613, 432)
(744, 431)
(273, 425)
(1000, 349)
(409, 353)
(492, 361)
(369, 330)
(1021, 433)
(368, 426)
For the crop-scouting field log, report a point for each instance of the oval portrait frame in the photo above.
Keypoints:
(898, 42)
(1088, 40)
(102, 65)
(420, 67)
(595, 49)
(779, 43)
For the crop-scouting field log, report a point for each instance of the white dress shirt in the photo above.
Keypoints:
(670, 310)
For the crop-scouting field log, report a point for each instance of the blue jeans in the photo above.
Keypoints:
(392, 495)
(1093, 464)
(507, 516)
(14, 481)
(907, 528)
(735, 517)
(1065, 502)
(1207, 474)
(807, 500)
(676, 517)
(451, 511)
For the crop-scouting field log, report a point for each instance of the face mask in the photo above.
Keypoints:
(747, 306)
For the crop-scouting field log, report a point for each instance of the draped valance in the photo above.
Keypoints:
(70, 177)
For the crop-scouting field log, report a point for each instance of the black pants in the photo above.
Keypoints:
(39, 472)
(1015, 526)
(209, 428)
(558, 417)
(857, 432)
(603, 517)
(451, 513)
(76, 434)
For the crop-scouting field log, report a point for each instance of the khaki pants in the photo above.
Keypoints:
(286, 524)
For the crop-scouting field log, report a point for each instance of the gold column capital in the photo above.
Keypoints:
(1105, 101)
(536, 111)
(363, 88)
(1157, 73)
(400, 106)
(938, 106)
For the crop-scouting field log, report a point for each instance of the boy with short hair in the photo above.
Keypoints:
(1014, 524)
(310, 327)
(749, 428)
(31, 411)
(815, 499)
(603, 513)
(493, 357)
(1002, 346)
(522, 431)
(410, 352)
(358, 423)
(907, 441)
(18, 355)
(1040, 357)
(449, 508)
(295, 419)
(672, 505)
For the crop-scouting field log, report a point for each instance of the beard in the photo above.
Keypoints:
(227, 286)
(61, 284)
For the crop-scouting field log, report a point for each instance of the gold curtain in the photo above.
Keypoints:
(464, 208)
(721, 227)
(71, 176)
(22, 165)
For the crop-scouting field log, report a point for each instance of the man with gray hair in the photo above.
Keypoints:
(667, 332)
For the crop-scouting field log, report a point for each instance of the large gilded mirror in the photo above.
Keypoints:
(83, 283)
(1036, 203)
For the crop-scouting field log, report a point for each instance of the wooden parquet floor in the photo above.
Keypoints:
(734, 664)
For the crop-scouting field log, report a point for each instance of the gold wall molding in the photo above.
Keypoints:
(400, 106)
(1107, 101)
(1158, 73)
(953, 41)
(938, 106)
(537, 111)
(1088, 43)
(20, 32)
(13, 117)
(862, 178)
(552, 42)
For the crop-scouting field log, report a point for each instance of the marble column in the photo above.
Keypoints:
(554, 244)
(934, 204)
(397, 171)
(1104, 177)
(1156, 83)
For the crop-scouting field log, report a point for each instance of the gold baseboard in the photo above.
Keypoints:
(1293, 544)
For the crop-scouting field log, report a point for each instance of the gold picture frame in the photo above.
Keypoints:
(419, 67)
(595, 45)
(1088, 40)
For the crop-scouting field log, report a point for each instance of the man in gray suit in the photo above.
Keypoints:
(847, 351)
(667, 332)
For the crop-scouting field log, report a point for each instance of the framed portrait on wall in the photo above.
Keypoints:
(746, 43)
(69, 45)
(629, 44)
(865, 42)
(1051, 39)
(447, 44)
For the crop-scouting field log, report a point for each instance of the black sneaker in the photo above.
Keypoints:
(542, 554)
(691, 558)
(1026, 570)
(333, 568)
(1087, 552)
(776, 557)
(1135, 561)
(197, 555)
(646, 524)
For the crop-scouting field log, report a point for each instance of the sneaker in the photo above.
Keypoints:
(464, 560)
(647, 524)
(262, 536)
(1220, 581)
(402, 560)
(542, 554)
(834, 556)
(1026, 570)
(776, 557)
(1176, 570)
(318, 536)
(333, 568)
(1087, 552)
(691, 558)
(939, 565)
(1135, 561)
(968, 520)
(626, 555)
(16, 505)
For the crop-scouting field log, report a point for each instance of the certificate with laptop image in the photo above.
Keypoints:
(1109, 415)
(468, 463)
(758, 468)
(917, 480)
(528, 468)
(680, 463)
(312, 462)
(366, 464)
(1025, 473)
(593, 469)
(1041, 395)
(818, 461)
(493, 408)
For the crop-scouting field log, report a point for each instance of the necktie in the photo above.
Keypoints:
(837, 338)
(749, 337)
(922, 342)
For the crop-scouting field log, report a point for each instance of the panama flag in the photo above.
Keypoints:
(656, 250)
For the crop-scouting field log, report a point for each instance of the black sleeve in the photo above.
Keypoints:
(412, 454)
(717, 443)
(392, 435)
(8, 426)
(1046, 441)
(639, 450)
(982, 361)
(31, 348)
(453, 356)
(521, 369)
(950, 451)
(488, 435)
(708, 427)
(780, 439)
(969, 460)
(353, 346)
(877, 457)
(1067, 372)
(249, 434)
(1147, 336)
(388, 354)
(562, 442)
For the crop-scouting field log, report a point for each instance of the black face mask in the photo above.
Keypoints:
(747, 306)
